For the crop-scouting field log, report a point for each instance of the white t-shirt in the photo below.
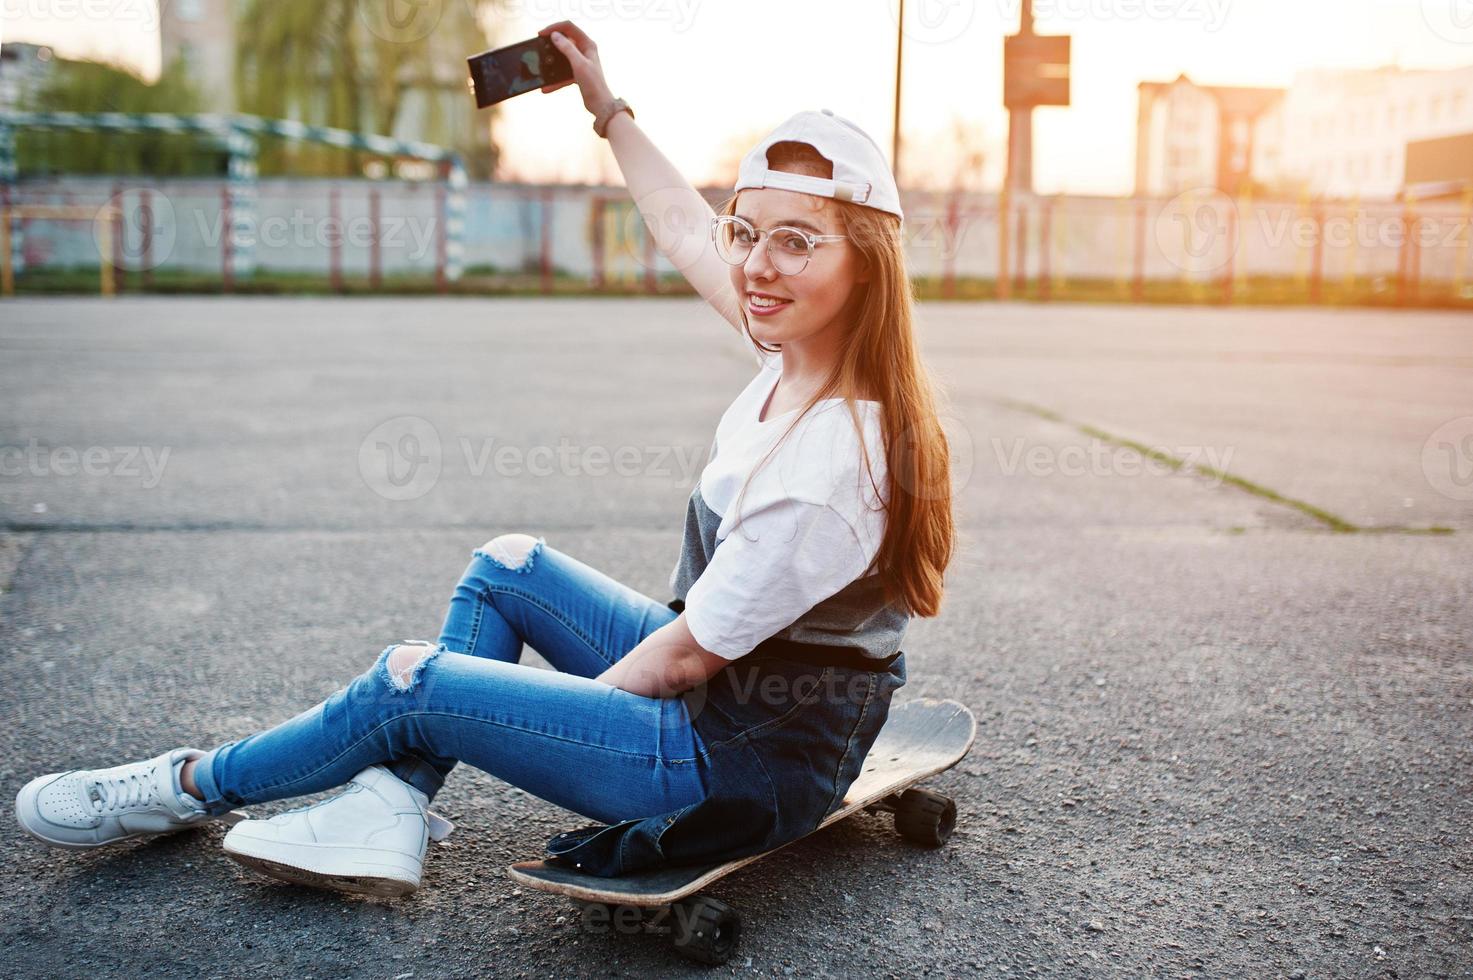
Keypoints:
(810, 522)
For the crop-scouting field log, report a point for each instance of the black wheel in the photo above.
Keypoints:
(925, 817)
(705, 929)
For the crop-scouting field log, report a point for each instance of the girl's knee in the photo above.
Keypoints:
(514, 552)
(400, 666)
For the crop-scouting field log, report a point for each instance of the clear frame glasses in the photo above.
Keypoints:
(789, 248)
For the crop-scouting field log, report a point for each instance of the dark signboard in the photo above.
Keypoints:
(1035, 70)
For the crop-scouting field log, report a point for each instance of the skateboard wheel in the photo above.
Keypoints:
(924, 817)
(706, 929)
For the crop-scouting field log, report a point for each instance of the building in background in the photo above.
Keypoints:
(1346, 133)
(1332, 134)
(202, 32)
(1194, 136)
(24, 70)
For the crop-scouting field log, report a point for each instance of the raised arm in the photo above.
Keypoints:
(676, 215)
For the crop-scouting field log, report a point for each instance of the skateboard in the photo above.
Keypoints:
(921, 738)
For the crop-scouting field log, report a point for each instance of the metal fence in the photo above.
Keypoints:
(365, 234)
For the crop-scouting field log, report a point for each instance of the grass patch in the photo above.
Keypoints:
(490, 281)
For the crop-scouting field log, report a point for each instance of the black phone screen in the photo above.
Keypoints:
(522, 67)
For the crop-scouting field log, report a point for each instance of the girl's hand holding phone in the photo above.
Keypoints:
(582, 54)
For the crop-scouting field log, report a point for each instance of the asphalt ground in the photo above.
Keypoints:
(1224, 692)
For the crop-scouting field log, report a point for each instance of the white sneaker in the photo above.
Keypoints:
(369, 839)
(84, 808)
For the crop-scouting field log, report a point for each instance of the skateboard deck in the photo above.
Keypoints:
(921, 737)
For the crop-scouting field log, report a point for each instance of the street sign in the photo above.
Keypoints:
(1035, 70)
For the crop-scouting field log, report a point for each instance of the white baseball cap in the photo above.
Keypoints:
(861, 174)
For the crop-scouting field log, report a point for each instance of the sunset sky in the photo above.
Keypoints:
(708, 78)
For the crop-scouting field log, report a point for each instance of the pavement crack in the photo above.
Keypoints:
(1332, 521)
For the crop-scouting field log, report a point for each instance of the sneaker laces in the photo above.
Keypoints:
(111, 793)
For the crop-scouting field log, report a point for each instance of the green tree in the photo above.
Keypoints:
(86, 86)
(350, 64)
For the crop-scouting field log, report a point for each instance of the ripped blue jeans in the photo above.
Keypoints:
(558, 734)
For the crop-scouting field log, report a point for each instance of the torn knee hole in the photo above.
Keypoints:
(514, 552)
(405, 662)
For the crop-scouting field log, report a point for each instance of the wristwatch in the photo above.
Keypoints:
(601, 121)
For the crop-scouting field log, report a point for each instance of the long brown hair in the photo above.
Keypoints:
(880, 357)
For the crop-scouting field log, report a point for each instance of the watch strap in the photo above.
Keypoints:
(607, 113)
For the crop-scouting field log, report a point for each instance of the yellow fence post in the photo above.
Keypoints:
(1004, 263)
(1240, 254)
(1352, 255)
(1122, 246)
(1460, 261)
(1056, 251)
(1301, 255)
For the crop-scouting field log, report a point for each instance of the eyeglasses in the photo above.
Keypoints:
(788, 248)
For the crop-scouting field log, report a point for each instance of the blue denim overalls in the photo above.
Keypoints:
(787, 728)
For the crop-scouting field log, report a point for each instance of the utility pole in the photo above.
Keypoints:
(1035, 72)
(1020, 125)
(899, 51)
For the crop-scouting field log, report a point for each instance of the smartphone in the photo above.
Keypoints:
(522, 67)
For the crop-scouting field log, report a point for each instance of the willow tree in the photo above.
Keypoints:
(375, 66)
(85, 86)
